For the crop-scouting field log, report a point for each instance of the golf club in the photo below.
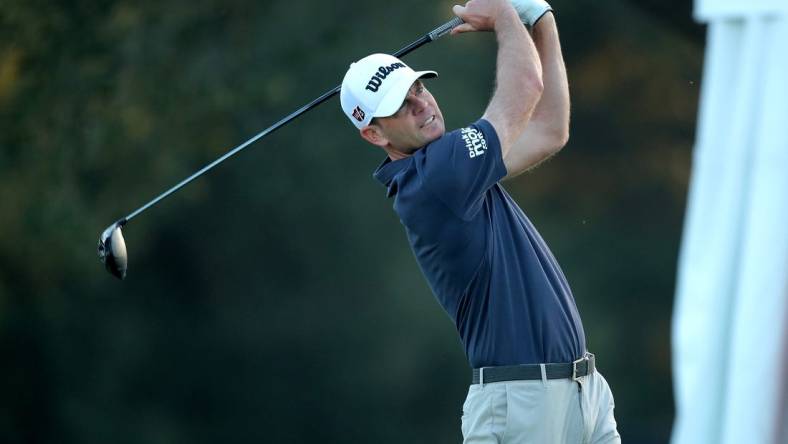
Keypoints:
(112, 247)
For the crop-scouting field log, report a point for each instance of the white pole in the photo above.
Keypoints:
(730, 316)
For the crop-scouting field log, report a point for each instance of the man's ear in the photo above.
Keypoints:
(374, 135)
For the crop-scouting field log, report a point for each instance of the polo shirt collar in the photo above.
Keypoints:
(387, 170)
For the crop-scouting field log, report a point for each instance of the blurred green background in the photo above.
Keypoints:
(276, 299)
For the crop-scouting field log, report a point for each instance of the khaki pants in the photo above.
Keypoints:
(540, 412)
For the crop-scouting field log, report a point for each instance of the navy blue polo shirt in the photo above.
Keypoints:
(485, 262)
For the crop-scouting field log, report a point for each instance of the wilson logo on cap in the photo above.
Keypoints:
(383, 72)
(358, 114)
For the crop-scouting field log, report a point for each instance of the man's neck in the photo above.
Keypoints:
(395, 154)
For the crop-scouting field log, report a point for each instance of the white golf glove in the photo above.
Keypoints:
(531, 11)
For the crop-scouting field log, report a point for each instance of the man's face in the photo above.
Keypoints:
(417, 122)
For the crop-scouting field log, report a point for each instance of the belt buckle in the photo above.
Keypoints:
(576, 378)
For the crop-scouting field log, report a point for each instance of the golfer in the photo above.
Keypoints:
(533, 380)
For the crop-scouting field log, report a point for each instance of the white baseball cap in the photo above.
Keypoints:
(376, 86)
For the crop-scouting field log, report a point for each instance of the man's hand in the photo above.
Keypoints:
(481, 15)
(530, 11)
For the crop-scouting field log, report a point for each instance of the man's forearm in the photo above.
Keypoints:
(518, 78)
(553, 107)
(548, 128)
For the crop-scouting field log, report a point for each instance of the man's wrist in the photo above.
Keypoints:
(507, 18)
(547, 12)
(545, 20)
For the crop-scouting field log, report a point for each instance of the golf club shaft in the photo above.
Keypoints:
(426, 38)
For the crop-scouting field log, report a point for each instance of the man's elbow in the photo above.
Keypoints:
(561, 138)
(556, 139)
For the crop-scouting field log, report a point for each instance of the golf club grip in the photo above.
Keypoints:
(445, 28)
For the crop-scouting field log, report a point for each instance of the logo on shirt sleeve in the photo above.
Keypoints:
(474, 141)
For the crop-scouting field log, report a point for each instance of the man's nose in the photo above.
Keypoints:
(418, 104)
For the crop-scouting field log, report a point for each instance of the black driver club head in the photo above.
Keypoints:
(112, 250)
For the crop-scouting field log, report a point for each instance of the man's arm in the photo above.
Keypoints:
(519, 72)
(548, 129)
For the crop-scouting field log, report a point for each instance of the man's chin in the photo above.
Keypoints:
(432, 139)
(435, 133)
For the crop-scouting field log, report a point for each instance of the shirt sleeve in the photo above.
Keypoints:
(460, 167)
